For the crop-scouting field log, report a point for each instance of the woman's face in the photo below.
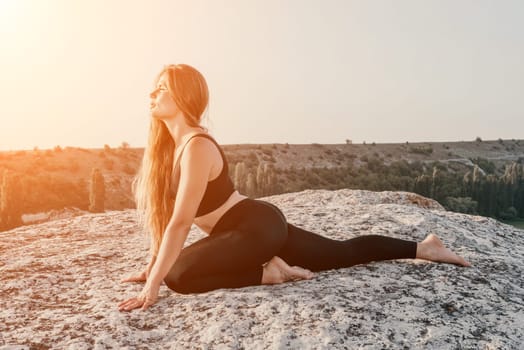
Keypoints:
(162, 105)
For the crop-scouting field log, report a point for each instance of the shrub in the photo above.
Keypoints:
(461, 204)
(421, 149)
(73, 166)
(109, 164)
(252, 157)
(488, 166)
(509, 214)
(128, 169)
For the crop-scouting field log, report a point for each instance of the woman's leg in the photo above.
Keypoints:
(232, 257)
(227, 259)
(317, 253)
(432, 249)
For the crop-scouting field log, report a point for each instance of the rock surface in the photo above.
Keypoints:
(60, 285)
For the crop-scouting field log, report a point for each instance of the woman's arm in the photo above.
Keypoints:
(150, 265)
(170, 248)
(143, 274)
(196, 165)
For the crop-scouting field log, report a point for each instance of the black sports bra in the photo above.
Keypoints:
(218, 190)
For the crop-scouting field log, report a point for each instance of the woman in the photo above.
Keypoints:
(184, 179)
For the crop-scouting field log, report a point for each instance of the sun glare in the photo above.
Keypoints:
(8, 14)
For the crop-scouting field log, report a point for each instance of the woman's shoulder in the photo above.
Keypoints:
(202, 149)
(210, 138)
(205, 135)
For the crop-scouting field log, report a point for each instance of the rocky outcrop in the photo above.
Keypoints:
(60, 285)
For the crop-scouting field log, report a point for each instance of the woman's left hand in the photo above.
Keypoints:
(145, 299)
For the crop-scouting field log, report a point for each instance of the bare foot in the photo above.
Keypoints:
(432, 248)
(278, 271)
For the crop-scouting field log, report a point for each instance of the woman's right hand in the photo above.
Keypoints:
(139, 277)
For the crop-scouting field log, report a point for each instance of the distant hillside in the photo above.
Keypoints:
(66, 172)
(460, 153)
(57, 178)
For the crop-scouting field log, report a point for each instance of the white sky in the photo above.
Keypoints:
(78, 73)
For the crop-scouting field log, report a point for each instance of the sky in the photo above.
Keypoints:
(79, 73)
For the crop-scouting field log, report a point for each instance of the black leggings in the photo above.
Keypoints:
(252, 232)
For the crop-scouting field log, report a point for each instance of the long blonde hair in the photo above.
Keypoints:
(151, 185)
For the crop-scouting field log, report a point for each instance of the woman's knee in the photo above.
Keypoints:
(178, 284)
(274, 232)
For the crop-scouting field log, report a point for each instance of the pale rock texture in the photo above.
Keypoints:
(60, 286)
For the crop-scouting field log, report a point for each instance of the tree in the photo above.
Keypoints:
(261, 179)
(240, 177)
(423, 185)
(96, 192)
(251, 185)
(11, 201)
(476, 182)
(265, 179)
(513, 187)
(271, 182)
(436, 185)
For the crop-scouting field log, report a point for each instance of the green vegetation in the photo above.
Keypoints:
(42, 180)
(500, 197)
(425, 150)
(515, 223)
(485, 164)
